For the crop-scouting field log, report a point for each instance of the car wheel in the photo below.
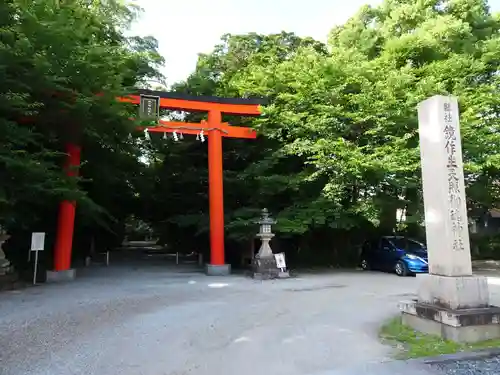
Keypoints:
(401, 269)
(365, 265)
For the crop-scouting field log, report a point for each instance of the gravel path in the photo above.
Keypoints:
(489, 366)
(158, 321)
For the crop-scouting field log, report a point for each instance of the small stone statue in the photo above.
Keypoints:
(4, 262)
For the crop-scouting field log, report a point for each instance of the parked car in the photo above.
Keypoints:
(401, 255)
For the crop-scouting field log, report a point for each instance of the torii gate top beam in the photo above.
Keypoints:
(184, 102)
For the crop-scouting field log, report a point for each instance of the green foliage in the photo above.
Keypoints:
(485, 246)
(337, 152)
(338, 145)
(62, 65)
(412, 344)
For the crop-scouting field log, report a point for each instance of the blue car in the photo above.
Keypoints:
(397, 254)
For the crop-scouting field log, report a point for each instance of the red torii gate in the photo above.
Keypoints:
(150, 103)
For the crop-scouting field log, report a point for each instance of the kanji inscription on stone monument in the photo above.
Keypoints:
(454, 192)
(446, 223)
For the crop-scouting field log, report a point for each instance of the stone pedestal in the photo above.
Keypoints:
(464, 325)
(61, 276)
(217, 270)
(455, 308)
(452, 303)
(264, 268)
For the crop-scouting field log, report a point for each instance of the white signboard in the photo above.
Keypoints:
(37, 241)
(37, 244)
(280, 260)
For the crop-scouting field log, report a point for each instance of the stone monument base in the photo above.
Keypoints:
(466, 325)
(217, 270)
(59, 276)
(454, 308)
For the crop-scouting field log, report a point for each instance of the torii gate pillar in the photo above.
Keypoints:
(217, 264)
(66, 224)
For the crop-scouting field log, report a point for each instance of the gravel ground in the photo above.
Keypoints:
(154, 320)
(489, 366)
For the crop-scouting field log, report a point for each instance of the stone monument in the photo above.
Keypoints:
(264, 264)
(452, 303)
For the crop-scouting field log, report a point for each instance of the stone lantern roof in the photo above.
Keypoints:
(266, 218)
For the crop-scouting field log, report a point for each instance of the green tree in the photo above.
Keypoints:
(62, 65)
(179, 202)
(338, 151)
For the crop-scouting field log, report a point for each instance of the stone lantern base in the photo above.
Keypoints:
(265, 268)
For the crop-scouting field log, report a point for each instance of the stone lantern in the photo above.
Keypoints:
(264, 263)
(265, 234)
